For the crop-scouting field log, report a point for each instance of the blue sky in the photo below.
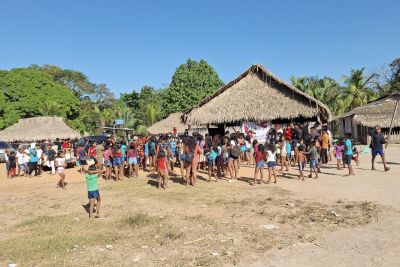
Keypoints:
(128, 44)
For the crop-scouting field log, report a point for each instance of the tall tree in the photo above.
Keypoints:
(325, 90)
(190, 83)
(27, 91)
(357, 90)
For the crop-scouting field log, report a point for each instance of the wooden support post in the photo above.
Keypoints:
(391, 122)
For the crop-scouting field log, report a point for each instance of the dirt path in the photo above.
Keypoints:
(377, 244)
(227, 215)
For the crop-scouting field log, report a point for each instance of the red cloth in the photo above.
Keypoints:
(288, 133)
(161, 163)
(259, 155)
(92, 151)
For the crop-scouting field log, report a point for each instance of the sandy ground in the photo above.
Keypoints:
(374, 244)
(377, 244)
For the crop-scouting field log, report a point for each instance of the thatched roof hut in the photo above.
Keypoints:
(166, 125)
(38, 128)
(361, 120)
(377, 112)
(256, 95)
(173, 120)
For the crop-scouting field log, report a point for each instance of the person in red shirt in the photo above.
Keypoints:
(259, 157)
(175, 131)
(162, 171)
(288, 133)
(92, 151)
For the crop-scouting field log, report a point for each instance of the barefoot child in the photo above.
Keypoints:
(259, 159)
(271, 163)
(162, 170)
(61, 165)
(313, 153)
(301, 161)
(284, 155)
(211, 156)
(12, 165)
(91, 176)
(348, 153)
(339, 154)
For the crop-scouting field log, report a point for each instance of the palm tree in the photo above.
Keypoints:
(50, 108)
(151, 115)
(357, 91)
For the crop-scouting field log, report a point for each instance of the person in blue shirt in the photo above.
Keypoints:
(33, 161)
(172, 146)
(348, 153)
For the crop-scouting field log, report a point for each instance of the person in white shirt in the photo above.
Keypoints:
(21, 161)
(39, 152)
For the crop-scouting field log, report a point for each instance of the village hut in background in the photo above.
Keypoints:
(174, 120)
(38, 128)
(361, 120)
(256, 95)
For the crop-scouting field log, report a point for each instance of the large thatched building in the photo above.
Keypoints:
(256, 95)
(173, 120)
(361, 120)
(38, 128)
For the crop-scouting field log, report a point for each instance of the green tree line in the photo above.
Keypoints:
(49, 90)
(352, 90)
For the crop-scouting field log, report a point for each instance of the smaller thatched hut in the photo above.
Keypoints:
(38, 128)
(173, 120)
(361, 120)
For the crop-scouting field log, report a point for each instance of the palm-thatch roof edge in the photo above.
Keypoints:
(376, 112)
(256, 68)
(166, 125)
(39, 128)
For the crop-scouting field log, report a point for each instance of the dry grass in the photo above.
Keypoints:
(204, 226)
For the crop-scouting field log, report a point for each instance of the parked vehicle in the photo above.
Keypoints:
(3, 147)
(93, 138)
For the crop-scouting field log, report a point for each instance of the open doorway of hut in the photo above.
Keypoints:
(216, 130)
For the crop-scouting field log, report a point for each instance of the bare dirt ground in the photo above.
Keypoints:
(331, 221)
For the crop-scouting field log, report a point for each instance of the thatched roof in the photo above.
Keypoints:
(166, 125)
(38, 128)
(256, 95)
(377, 112)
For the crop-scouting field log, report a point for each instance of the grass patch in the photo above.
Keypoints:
(135, 220)
(47, 237)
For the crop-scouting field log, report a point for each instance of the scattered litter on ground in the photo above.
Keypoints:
(216, 254)
(109, 247)
(270, 226)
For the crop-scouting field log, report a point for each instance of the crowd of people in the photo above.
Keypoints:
(221, 156)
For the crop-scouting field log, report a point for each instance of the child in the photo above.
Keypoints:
(301, 161)
(12, 165)
(91, 176)
(117, 161)
(83, 158)
(107, 162)
(211, 156)
(259, 153)
(288, 147)
(162, 170)
(284, 154)
(61, 165)
(355, 155)
(132, 160)
(313, 153)
(271, 163)
(339, 153)
(348, 153)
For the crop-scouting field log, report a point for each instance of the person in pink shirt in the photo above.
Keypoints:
(107, 162)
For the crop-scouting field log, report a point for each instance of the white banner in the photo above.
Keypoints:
(260, 129)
